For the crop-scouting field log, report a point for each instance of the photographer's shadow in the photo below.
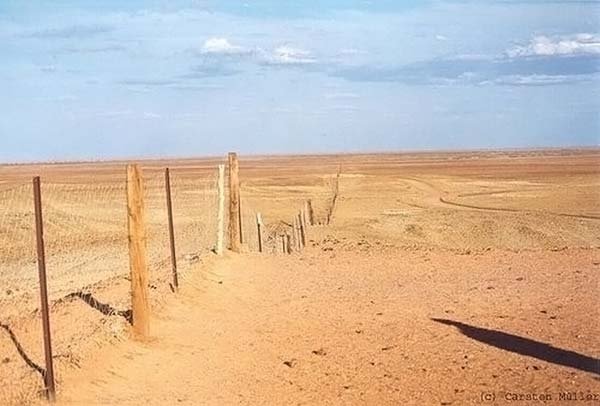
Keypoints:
(526, 346)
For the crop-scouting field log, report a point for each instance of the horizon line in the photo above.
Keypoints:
(150, 158)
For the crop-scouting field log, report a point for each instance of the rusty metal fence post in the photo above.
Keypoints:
(171, 229)
(41, 259)
(259, 225)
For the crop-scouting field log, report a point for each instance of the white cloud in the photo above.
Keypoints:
(217, 45)
(538, 80)
(578, 44)
(285, 55)
(440, 37)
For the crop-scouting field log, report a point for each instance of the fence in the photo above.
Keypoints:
(90, 249)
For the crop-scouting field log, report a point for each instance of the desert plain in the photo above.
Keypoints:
(441, 278)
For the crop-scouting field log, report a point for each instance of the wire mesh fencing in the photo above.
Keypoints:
(88, 258)
(194, 205)
(86, 230)
(87, 262)
(85, 233)
(274, 234)
(18, 269)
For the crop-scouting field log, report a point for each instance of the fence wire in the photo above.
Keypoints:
(194, 200)
(18, 269)
(85, 228)
(87, 261)
(86, 237)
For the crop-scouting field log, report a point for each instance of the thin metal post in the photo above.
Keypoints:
(171, 229)
(241, 218)
(41, 255)
(259, 224)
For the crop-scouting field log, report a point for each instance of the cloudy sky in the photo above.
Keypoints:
(187, 78)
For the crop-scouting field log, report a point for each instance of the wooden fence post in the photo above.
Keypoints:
(140, 306)
(301, 229)
(304, 225)
(288, 243)
(171, 229)
(259, 225)
(220, 210)
(293, 236)
(235, 229)
(310, 214)
(297, 243)
(41, 259)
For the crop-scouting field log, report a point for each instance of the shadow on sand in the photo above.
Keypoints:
(103, 308)
(525, 346)
(21, 351)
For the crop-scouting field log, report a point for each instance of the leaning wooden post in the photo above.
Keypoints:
(140, 306)
(41, 257)
(283, 247)
(235, 229)
(171, 230)
(220, 210)
(259, 224)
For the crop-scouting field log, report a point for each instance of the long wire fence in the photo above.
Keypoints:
(85, 232)
(87, 257)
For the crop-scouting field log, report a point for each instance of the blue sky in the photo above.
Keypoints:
(82, 80)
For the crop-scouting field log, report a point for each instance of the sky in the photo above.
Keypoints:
(82, 79)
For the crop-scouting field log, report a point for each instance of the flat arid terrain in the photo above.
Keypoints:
(440, 279)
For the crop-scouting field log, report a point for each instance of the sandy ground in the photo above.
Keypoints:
(359, 323)
(461, 278)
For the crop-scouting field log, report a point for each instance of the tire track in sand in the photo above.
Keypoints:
(435, 198)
